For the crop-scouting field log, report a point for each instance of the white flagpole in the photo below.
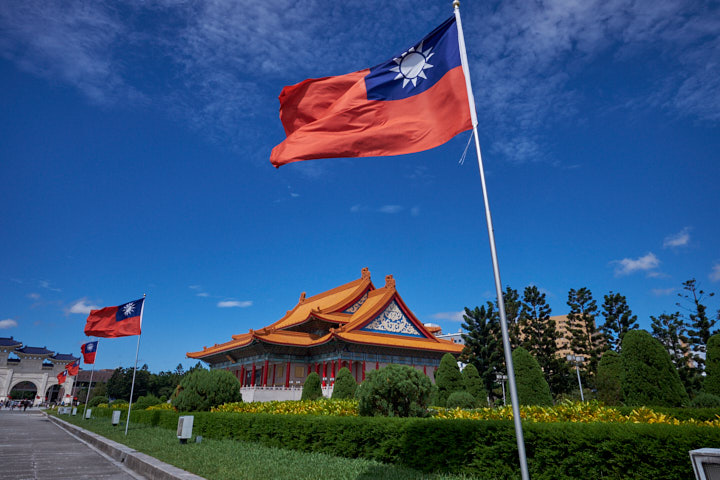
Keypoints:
(92, 372)
(496, 269)
(137, 350)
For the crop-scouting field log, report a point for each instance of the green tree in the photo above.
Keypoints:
(394, 391)
(698, 322)
(532, 388)
(671, 332)
(312, 388)
(609, 378)
(582, 335)
(345, 385)
(203, 389)
(513, 307)
(448, 378)
(474, 384)
(711, 384)
(619, 319)
(649, 376)
(461, 400)
(483, 346)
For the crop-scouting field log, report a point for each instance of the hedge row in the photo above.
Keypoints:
(483, 449)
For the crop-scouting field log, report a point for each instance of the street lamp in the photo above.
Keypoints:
(577, 360)
(502, 378)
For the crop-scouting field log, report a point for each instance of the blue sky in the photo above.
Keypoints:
(135, 138)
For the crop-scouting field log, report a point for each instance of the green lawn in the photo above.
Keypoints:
(231, 460)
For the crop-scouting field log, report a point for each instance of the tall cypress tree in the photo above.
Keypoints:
(582, 335)
(513, 306)
(619, 319)
(483, 349)
(448, 379)
(532, 388)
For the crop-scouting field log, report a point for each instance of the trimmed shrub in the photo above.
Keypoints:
(146, 401)
(532, 388)
(711, 383)
(203, 389)
(394, 391)
(448, 379)
(705, 400)
(608, 379)
(95, 401)
(474, 384)
(345, 385)
(312, 388)
(649, 376)
(462, 400)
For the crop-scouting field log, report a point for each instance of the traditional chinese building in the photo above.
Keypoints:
(354, 325)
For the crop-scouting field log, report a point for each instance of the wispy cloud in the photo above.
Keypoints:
(82, 306)
(663, 292)
(8, 323)
(199, 291)
(647, 263)
(33, 296)
(235, 304)
(452, 316)
(391, 209)
(46, 285)
(715, 273)
(680, 239)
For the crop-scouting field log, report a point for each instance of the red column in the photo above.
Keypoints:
(332, 366)
(317, 368)
(287, 376)
(265, 373)
(273, 380)
(324, 375)
(425, 370)
(242, 375)
(377, 365)
(252, 376)
(363, 371)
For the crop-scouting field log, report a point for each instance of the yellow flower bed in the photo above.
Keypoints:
(161, 406)
(340, 408)
(571, 412)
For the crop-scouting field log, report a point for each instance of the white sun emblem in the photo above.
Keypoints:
(411, 64)
(128, 309)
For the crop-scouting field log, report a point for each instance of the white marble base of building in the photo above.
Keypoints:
(269, 394)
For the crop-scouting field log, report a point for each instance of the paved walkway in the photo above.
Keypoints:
(31, 447)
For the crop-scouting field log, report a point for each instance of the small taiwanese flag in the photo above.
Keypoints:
(120, 321)
(89, 350)
(62, 376)
(73, 367)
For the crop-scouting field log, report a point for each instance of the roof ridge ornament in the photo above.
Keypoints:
(365, 273)
(389, 281)
(302, 298)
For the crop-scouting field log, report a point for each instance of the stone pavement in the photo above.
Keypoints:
(31, 447)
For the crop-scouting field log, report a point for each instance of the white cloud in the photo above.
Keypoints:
(8, 323)
(663, 292)
(81, 306)
(234, 303)
(627, 266)
(680, 239)
(391, 209)
(33, 296)
(452, 316)
(45, 284)
(199, 290)
(715, 273)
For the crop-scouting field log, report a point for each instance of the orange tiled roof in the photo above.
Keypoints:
(331, 306)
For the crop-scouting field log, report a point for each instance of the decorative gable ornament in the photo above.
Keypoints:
(393, 320)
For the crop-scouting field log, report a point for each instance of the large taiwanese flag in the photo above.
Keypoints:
(89, 350)
(413, 102)
(73, 368)
(120, 321)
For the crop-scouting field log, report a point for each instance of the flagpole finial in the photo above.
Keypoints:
(456, 3)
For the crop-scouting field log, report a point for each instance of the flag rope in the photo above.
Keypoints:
(496, 269)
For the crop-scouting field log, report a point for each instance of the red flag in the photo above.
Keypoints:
(62, 376)
(73, 367)
(120, 321)
(413, 102)
(88, 351)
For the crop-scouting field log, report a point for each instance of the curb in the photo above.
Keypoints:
(138, 462)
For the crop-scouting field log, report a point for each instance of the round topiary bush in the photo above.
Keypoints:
(474, 384)
(345, 385)
(394, 391)
(608, 378)
(312, 389)
(97, 400)
(532, 388)
(147, 401)
(705, 400)
(461, 399)
(448, 379)
(204, 389)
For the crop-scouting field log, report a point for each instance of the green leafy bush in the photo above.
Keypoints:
(345, 385)
(203, 389)
(119, 403)
(532, 388)
(394, 391)
(705, 400)
(146, 401)
(711, 383)
(608, 379)
(448, 379)
(649, 376)
(462, 400)
(312, 389)
(95, 401)
(474, 384)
